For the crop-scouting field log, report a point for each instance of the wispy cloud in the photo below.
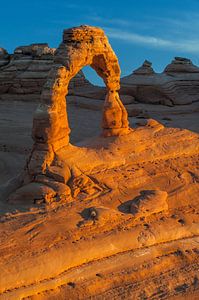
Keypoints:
(170, 33)
(191, 46)
(186, 24)
(178, 33)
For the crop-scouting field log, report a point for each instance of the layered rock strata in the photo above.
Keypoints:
(181, 65)
(145, 69)
(4, 57)
(23, 73)
(177, 85)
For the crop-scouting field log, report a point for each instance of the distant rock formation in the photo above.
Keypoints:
(181, 65)
(23, 74)
(145, 69)
(177, 85)
(4, 57)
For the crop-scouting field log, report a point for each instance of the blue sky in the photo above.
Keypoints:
(156, 30)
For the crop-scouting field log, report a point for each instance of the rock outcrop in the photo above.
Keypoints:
(23, 73)
(177, 85)
(149, 202)
(181, 65)
(4, 57)
(45, 248)
(81, 46)
(145, 69)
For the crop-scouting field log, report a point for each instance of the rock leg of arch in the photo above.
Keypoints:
(81, 46)
(50, 124)
(115, 118)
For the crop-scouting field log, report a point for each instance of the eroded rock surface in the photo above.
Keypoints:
(149, 202)
(45, 249)
(145, 69)
(66, 234)
(84, 45)
(181, 65)
(177, 85)
(4, 57)
(23, 73)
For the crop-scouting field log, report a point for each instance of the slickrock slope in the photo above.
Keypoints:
(23, 74)
(92, 244)
(112, 217)
(177, 85)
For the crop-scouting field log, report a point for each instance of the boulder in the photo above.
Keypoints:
(149, 202)
(33, 193)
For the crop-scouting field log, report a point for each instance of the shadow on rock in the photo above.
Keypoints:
(125, 207)
(147, 203)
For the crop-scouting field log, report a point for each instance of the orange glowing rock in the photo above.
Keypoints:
(149, 202)
(81, 46)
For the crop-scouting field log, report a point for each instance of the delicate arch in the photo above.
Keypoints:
(81, 46)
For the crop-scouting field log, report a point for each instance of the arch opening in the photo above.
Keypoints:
(83, 129)
(85, 113)
(93, 77)
(81, 46)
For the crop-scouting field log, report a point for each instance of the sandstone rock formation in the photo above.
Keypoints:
(4, 57)
(81, 46)
(145, 69)
(177, 85)
(72, 251)
(110, 218)
(23, 73)
(181, 65)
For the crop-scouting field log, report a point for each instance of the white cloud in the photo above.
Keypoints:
(191, 45)
(171, 33)
(178, 32)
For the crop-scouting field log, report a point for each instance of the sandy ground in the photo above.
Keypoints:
(60, 253)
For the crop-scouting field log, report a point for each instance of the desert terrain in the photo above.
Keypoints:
(114, 215)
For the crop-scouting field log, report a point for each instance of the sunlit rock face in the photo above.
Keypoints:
(81, 46)
(23, 73)
(114, 217)
(177, 85)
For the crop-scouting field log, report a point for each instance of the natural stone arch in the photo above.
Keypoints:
(81, 46)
